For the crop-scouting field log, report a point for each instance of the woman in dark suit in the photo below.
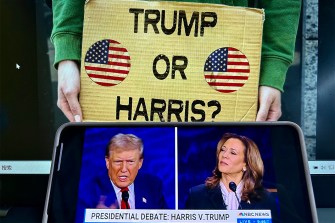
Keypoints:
(239, 164)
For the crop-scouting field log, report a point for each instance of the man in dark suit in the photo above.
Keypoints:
(122, 186)
(147, 188)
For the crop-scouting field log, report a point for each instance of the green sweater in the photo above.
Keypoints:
(279, 35)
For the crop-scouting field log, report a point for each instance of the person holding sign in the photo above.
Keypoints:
(124, 187)
(280, 28)
(237, 179)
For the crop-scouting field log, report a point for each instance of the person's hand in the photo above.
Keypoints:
(102, 204)
(269, 99)
(68, 90)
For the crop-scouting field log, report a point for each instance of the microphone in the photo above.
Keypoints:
(232, 187)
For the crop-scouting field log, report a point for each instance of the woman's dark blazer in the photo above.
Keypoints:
(205, 198)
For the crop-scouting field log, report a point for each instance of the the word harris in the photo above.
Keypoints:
(182, 111)
(157, 19)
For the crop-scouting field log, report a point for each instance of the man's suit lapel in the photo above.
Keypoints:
(141, 199)
(143, 195)
(215, 196)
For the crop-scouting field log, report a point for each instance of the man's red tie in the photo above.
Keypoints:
(125, 197)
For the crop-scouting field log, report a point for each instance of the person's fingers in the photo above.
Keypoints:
(77, 118)
(114, 205)
(275, 107)
(263, 110)
(269, 104)
(70, 106)
(64, 107)
(74, 107)
(102, 199)
(275, 112)
(101, 203)
(68, 90)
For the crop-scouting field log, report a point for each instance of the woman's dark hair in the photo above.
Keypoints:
(252, 177)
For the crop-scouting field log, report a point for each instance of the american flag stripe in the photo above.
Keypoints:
(235, 56)
(227, 91)
(117, 49)
(107, 66)
(220, 81)
(110, 82)
(226, 77)
(113, 41)
(107, 70)
(216, 74)
(105, 84)
(107, 77)
(231, 49)
(103, 72)
(238, 63)
(119, 64)
(115, 56)
(237, 67)
(238, 60)
(117, 60)
(226, 84)
(107, 63)
(230, 88)
(239, 70)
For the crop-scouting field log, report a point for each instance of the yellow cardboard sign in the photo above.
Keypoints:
(170, 61)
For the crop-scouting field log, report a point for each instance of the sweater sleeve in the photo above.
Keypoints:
(68, 17)
(279, 36)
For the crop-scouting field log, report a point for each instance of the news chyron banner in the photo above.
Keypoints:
(170, 61)
(177, 216)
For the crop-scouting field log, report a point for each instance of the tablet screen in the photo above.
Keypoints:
(177, 163)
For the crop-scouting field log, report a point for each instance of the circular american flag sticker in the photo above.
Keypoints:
(107, 63)
(226, 69)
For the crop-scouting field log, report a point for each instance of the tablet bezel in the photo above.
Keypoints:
(60, 132)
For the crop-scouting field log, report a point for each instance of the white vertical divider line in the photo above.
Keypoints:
(176, 166)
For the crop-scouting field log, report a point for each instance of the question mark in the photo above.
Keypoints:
(217, 105)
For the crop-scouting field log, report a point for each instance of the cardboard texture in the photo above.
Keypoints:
(170, 61)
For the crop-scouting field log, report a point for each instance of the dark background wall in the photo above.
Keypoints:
(325, 145)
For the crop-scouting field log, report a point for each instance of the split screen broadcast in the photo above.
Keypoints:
(182, 174)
